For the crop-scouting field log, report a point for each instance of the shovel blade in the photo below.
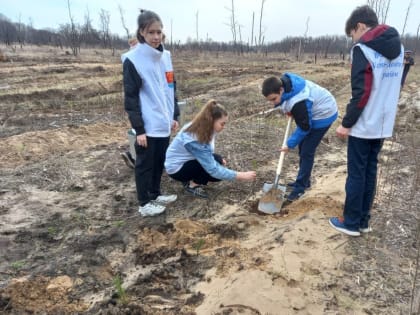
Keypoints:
(269, 207)
(272, 201)
(268, 186)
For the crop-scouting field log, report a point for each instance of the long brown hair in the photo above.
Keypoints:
(202, 125)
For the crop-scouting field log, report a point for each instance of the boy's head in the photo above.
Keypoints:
(361, 19)
(272, 89)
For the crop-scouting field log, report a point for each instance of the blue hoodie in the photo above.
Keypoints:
(320, 108)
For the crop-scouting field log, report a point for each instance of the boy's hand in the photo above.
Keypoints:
(284, 149)
(342, 132)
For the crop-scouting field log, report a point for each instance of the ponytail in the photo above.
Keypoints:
(202, 125)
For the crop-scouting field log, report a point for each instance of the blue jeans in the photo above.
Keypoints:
(362, 167)
(307, 149)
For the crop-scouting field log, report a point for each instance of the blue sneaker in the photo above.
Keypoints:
(338, 224)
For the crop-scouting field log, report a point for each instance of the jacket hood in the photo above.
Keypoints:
(293, 85)
(384, 39)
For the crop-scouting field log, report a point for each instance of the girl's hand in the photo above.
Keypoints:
(246, 176)
(142, 140)
(175, 126)
(224, 162)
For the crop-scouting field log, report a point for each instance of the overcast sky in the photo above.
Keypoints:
(281, 18)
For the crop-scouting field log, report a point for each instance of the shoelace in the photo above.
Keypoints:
(199, 191)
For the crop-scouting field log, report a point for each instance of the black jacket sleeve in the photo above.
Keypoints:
(300, 114)
(176, 108)
(361, 87)
(132, 84)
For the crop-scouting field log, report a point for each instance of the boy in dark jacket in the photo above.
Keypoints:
(376, 71)
(408, 62)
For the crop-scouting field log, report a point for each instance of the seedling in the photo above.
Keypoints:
(52, 231)
(122, 295)
(254, 164)
(17, 265)
(198, 245)
(119, 223)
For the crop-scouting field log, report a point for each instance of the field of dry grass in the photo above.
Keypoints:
(72, 240)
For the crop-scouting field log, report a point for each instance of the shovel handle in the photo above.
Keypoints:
(282, 154)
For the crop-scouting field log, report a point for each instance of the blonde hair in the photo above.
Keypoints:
(133, 41)
(202, 125)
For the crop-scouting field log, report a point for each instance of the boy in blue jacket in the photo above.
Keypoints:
(314, 109)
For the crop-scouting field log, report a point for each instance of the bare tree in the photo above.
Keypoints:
(120, 9)
(260, 36)
(21, 32)
(171, 36)
(29, 28)
(104, 19)
(196, 25)
(381, 7)
(73, 33)
(417, 38)
(252, 29)
(89, 36)
(301, 48)
(233, 23)
(406, 17)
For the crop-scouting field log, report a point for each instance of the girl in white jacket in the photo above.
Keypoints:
(149, 102)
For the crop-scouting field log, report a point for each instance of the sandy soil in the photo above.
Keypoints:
(72, 241)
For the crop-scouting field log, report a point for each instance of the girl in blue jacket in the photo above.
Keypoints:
(190, 157)
(314, 109)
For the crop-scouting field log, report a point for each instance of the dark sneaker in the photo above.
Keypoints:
(338, 224)
(292, 185)
(294, 195)
(128, 159)
(196, 191)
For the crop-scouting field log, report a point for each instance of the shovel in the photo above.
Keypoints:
(272, 201)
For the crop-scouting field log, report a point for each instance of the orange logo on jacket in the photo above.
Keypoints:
(169, 77)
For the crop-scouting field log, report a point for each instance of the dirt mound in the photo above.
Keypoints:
(40, 294)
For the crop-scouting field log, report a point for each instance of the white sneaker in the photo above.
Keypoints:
(166, 199)
(151, 209)
(366, 230)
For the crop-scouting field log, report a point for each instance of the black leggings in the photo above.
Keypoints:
(192, 170)
(149, 168)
